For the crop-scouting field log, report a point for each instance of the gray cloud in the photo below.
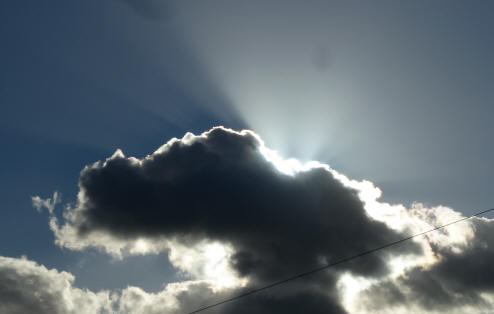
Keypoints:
(315, 302)
(219, 187)
(26, 287)
(461, 279)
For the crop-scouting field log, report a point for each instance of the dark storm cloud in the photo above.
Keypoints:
(314, 302)
(458, 279)
(303, 299)
(308, 295)
(218, 186)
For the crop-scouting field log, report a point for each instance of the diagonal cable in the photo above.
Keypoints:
(338, 262)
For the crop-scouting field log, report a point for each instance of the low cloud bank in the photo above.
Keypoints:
(26, 287)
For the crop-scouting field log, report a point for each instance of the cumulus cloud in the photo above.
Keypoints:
(220, 187)
(233, 215)
(26, 287)
(461, 281)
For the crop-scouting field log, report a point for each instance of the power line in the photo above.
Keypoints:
(341, 261)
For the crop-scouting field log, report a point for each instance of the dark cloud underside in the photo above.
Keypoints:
(222, 188)
(458, 279)
(219, 186)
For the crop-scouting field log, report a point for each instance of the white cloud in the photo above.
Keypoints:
(26, 287)
(48, 203)
(206, 261)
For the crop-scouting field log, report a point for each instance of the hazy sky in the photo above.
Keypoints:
(395, 92)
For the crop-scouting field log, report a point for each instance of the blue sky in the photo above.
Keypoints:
(395, 92)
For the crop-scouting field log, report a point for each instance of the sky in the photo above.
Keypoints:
(128, 185)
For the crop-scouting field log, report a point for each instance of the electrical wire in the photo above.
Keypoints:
(338, 262)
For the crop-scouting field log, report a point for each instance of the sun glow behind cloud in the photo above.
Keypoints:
(417, 219)
(297, 105)
(207, 261)
(289, 166)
